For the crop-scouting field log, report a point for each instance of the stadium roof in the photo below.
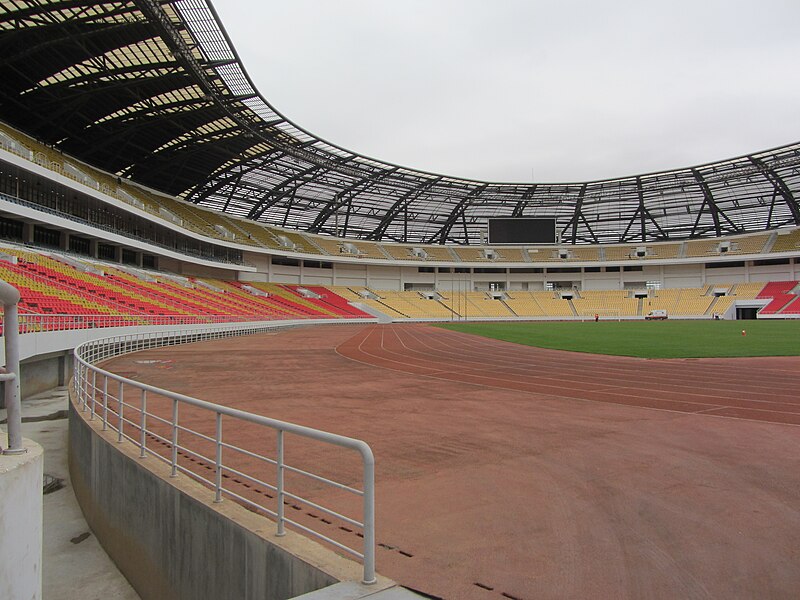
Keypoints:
(155, 92)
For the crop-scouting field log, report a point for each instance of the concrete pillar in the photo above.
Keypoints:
(27, 233)
(63, 242)
(118, 254)
(21, 528)
(93, 248)
(139, 260)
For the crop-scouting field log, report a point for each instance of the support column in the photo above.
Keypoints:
(27, 233)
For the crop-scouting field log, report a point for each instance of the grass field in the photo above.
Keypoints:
(650, 339)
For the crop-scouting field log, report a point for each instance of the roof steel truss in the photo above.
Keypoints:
(154, 90)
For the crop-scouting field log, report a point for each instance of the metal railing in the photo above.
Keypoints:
(38, 323)
(127, 407)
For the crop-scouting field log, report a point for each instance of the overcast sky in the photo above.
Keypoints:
(505, 90)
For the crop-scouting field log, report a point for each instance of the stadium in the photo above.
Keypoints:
(465, 377)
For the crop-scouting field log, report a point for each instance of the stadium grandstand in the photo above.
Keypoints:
(148, 188)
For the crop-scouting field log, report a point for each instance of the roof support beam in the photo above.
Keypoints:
(401, 204)
(455, 215)
(523, 203)
(780, 186)
(710, 202)
(285, 188)
(345, 196)
(576, 216)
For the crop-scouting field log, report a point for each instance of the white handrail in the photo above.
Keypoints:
(9, 296)
(91, 385)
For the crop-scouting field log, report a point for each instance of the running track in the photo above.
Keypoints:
(763, 389)
(509, 472)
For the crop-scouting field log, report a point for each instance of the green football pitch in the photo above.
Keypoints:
(649, 339)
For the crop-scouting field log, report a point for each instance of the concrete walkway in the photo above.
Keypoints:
(75, 567)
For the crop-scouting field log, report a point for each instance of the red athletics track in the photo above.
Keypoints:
(506, 471)
(766, 389)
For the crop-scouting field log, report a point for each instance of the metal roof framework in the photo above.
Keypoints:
(154, 91)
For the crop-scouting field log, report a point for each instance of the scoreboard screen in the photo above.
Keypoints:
(522, 230)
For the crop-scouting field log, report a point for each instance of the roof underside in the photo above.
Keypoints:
(154, 91)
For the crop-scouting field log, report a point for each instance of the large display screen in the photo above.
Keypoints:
(522, 230)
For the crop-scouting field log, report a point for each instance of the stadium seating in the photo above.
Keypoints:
(472, 253)
(441, 253)
(398, 252)
(91, 288)
(792, 308)
(327, 300)
(753, 244)
(782, 299)
(338, 247)
(606, 304)
(681, 301)
(475, 305)
(788, 242)
(54, 283)
(511, 255)
(538, 304)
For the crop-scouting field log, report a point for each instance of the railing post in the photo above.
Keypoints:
(84, 387)
(120, 409)
(10, 298)
(218, 477)
(279, 486)
(369, 519)
(94, 394)
(174, 438)
(105, 402)
(143, 426)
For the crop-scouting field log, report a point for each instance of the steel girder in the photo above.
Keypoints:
(401, 204)
(154, 90)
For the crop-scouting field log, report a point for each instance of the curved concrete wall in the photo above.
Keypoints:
(171, 541)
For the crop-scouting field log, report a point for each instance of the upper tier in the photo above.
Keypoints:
(234, 231)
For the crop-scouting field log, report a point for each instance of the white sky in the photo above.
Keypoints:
(498, 90)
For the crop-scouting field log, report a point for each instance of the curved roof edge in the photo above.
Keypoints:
(155, 91)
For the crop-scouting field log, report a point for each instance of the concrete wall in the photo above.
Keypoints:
(21, 522)
(41, 373)
(171, 541)
(684, 273)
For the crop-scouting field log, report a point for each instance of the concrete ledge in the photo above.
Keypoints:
(21, 522)
(171, 541)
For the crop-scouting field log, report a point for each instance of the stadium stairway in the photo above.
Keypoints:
(329, 300)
